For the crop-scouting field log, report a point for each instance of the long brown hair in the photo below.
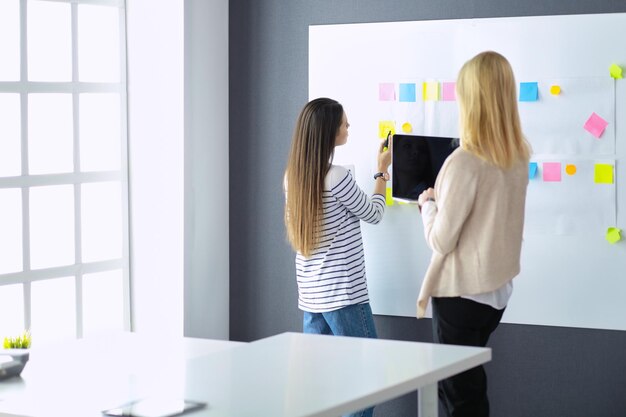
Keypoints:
(312, 150)
(489, 118)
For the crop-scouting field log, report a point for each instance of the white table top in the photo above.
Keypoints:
(288, 375)
(86, 376)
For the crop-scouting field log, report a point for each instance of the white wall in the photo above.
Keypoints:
(155, 31)
(178, 133)
(206, 169)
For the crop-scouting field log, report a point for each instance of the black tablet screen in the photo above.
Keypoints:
(416, 161)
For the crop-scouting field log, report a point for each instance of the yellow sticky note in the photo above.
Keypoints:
(384, 126)
(407, 128)
(430, 91)
(388, 199)
(570, 169)
(616, 71)
(603, 174)
(613, 235)
(555, 90)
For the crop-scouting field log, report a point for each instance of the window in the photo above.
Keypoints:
(63, 169)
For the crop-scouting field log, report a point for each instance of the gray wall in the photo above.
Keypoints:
(536, 371)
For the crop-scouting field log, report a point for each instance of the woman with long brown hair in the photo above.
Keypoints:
(323, 211)
(473, 221)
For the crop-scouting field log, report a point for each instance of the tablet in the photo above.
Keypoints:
(416, 161)
(155, 407)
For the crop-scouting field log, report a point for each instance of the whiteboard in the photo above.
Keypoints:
(571, 275)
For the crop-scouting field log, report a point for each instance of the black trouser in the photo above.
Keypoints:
(458, 321)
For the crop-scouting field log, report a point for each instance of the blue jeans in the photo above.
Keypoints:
(354, 320)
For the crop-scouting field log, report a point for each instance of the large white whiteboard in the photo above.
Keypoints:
(571, 276)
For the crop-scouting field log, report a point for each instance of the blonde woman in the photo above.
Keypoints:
(473, 222)
(323, 211)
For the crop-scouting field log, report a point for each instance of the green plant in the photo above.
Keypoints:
(19, 342)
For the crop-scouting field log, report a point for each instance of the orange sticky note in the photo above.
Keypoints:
(570, 169)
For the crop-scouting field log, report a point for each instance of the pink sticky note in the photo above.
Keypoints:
(595, 125)
(552, 171)
(448, 91)
(386, 92)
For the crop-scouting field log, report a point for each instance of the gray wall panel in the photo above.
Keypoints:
(536, 371)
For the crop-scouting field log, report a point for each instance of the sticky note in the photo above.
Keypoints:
(448, 91)
(430, 91)
(384, 126)
(528, 91)
(595, 125)
(570, 169)
(552, 171)
(388, 199)
(615, 71)
(407, 92)
(407, 128)
(555, 90)
(386, 92)
(603, 174)
(532, 170)
(613, 235)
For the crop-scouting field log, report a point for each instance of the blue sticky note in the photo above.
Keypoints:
(407, 92)
(528, 92)
(532, 170)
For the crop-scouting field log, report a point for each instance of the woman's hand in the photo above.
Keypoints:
(384, 156)
(428, 194)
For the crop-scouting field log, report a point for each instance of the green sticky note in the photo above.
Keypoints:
(603, 174)
(388, 199)
(613, 235)
(616, 71)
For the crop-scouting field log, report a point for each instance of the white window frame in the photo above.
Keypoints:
(76, 178)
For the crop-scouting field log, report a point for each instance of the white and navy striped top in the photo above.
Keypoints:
(334, 275)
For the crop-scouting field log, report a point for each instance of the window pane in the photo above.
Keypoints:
(10, 153)
(101, 215)
(49, 41)
(11, 310)
(103, 303)
(10, 230)
(10, 40)
(50, 133)
(100, 132)
(53, 310)
(51, 226)
(98, 43)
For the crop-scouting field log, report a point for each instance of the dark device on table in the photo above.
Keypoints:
(416, 161)
(155, 407)
(12, 362)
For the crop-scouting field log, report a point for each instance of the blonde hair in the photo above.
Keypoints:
(489, 120)
(312, 150)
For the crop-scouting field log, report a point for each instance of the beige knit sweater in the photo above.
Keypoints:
(474, 227)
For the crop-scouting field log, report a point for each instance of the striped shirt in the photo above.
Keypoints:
(334, 276)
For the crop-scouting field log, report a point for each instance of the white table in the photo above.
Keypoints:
(288, 375)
